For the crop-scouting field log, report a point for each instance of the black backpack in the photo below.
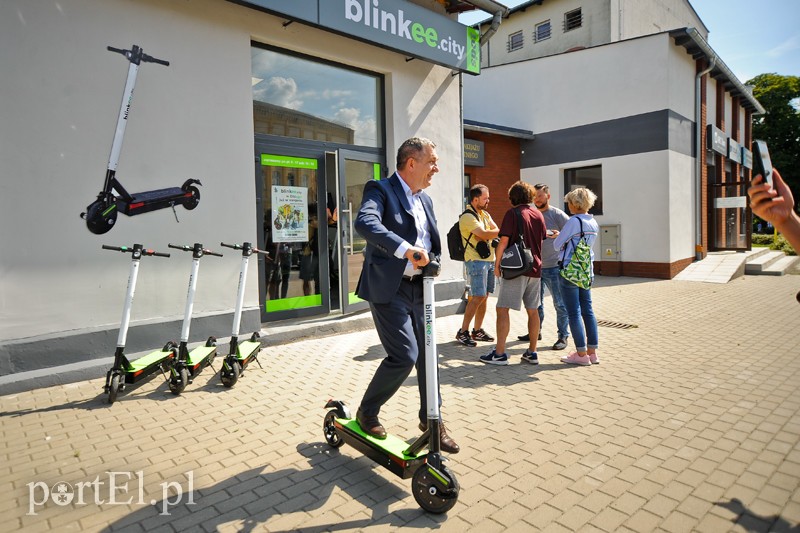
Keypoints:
(455, 242)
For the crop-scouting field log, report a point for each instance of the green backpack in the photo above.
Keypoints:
(579, 269)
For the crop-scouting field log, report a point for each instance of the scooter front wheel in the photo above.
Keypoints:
(177, 383)
(329, 430)
(230, 373)
(100, 216)
(428, 492)
(113, 388)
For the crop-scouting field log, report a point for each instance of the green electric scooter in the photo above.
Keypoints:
(188, 364)
(127, 372)
(240, 354)
(434, 486)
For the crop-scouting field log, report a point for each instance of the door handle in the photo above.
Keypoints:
(345, 245)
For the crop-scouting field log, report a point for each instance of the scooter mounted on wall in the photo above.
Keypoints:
(240, 354)
(434, 486)
(126, 372)
(101, 215)
(188, 364)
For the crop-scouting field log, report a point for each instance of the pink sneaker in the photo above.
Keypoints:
(575, 359)
(594, 359)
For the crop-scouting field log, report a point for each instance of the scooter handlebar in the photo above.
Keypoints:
(241, 247)
(154, 253)
(130, 250)
(137, 55)
(187, 248)
(432, 269)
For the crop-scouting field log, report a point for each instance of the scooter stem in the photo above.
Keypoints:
(122, 120)
(197, 253)
(431, 356)
(126, 308)
(237, 314)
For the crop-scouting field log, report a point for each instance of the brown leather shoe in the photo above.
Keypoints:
(371, 425)
(447, 443)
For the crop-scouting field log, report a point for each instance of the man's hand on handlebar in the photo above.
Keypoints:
(418, 257)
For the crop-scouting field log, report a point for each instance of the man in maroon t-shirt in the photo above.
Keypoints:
(525, 289)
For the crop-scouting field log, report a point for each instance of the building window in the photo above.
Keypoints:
(302, 97)
(542, 31)
(515, 41)
(589, 177)
(573, 20)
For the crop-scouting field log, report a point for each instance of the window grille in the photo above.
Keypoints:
(573, 20)
(542, 31)
(515, 41)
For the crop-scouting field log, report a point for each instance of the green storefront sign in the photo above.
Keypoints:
(272, 160)
(394, 24)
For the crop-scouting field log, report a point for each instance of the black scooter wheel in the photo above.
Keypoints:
(99, 219)
(211, 341)
(255, 336)
(428, 494)
(171, 345)
(192, 202)
(177, 383)
(329, 430)
(230, 373)
(113, 388)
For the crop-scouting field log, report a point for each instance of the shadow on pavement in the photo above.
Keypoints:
(253, 497)
(747, 520)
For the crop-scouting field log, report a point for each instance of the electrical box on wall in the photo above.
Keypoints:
(610, 252)
(609, 242)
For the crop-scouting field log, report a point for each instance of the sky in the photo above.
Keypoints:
(751, 37)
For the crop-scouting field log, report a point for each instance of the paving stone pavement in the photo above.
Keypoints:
(690, 423)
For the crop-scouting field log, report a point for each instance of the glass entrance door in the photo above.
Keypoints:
(293, 280)
(731, 221)
(354, 170)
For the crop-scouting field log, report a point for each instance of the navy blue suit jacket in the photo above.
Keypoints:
(385, 220)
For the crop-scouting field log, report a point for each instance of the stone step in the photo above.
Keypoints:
(762, 262)
(781, 266)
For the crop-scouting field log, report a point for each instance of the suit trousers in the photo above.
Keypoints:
(400, 326)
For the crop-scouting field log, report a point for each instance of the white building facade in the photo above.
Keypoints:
(621, 117)
(269, 104)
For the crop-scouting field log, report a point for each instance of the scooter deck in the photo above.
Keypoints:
(247, 351)
(158, 194)
(199, 357)
(388, 452)
(146, 365)
(145, 202)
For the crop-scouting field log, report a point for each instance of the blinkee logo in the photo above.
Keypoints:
(396, 24)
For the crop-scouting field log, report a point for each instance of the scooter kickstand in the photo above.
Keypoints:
(172, 205)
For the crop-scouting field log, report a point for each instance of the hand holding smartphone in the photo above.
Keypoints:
(762, 164)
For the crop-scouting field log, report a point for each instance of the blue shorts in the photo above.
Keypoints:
(481, 277)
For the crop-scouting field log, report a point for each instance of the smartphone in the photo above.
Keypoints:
(550, 233)
(762, 164)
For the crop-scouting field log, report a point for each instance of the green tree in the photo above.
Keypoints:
(780, 125)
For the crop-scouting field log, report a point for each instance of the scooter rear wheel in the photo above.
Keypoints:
(428, 494)
(178, 383)
(230, 373)
(113, 388)
(329, 430)
(192, 202)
